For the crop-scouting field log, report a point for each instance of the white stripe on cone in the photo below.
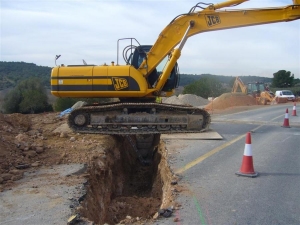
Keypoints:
(286, 116)
(248, 150)
(286, 122)
(294, 110)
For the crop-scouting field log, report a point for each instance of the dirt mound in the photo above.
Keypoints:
(28, 141)
(228, 100)
(10, 127)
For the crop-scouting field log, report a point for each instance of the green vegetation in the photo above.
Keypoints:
(29, 96)
(11, 73)
(205, 87)
(283, 79)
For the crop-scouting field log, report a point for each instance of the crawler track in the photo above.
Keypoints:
(139, 118)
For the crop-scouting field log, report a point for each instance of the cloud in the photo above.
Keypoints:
(36, 31)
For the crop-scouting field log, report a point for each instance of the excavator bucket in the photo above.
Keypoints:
(296, 2)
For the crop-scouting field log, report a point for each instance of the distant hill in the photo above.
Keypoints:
(13, 72)
(186, 79)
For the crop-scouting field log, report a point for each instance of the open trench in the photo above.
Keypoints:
(120, 189)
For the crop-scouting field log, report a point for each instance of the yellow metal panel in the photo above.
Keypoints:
(54, 74)
(76, 71)
(139, 78)
(82, 75)
(75, 81)
(118, 70)
(100, 76)
(97, 81)
(54, 82)
(105, 82)
(100, 94)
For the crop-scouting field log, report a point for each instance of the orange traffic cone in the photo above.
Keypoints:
(247, 168)
(286, 122)
(294, 110)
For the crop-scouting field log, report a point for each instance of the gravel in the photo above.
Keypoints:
(187, 99)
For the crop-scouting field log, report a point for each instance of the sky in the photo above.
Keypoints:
(36, 31)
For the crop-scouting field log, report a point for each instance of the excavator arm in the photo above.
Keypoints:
(239, 83)
(206, 20)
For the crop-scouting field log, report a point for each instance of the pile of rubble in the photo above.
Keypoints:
(187, 99)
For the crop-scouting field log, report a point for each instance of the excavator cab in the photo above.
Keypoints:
(255, 88)
(140, 54)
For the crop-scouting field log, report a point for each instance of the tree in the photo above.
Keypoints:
(205, 87)
(12, 101)
(29, 96)
(296, 82)
(33, 101)
(283, 79)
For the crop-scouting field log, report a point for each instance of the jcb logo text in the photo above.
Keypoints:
(212, 20)
(119, 83)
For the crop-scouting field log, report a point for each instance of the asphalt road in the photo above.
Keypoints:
(213, 194)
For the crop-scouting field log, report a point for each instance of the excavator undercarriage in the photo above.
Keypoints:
(139, 118)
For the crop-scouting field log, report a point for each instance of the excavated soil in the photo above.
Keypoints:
(119, 189)
(122, 190)
(229, 100)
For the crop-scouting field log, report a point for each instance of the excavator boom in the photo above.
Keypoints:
(213, 19)
(239, 83)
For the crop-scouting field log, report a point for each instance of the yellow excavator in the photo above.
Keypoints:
(151, 71)
(257, 90)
